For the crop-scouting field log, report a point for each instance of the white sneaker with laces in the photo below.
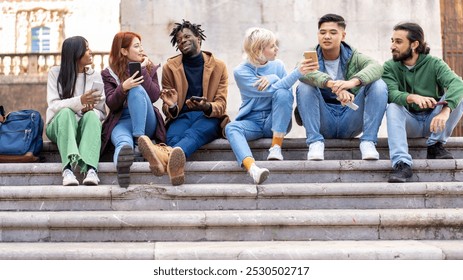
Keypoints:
(92, 178)
(316, 151)
(275, 153)
(259, 175)
(368, 150)
(69, 179)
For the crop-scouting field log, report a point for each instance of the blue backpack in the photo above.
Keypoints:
(20, 136)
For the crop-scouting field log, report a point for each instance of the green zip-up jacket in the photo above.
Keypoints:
(430, 76)
(354, 65)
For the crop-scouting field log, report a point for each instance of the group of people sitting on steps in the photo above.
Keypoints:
(341, 94)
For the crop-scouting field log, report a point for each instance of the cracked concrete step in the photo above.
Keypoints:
(255, 225)
(222, 172)
(263, 250)
(293, 149)
(297, 196)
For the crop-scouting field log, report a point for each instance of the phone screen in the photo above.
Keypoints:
(134, 67)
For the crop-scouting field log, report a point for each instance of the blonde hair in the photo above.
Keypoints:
(255, 41)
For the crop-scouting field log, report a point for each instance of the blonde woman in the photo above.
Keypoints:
(267, 99)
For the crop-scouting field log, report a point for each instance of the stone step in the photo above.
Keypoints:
(245, 250)
(223, 172)
(256, 225)
(293, 149)
(298, 196)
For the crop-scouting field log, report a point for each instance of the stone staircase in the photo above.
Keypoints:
(340, 208)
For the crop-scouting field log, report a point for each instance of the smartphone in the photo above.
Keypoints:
(134, 67)
(312, 55)
(98, 86)
(197, 98)
(441, 103)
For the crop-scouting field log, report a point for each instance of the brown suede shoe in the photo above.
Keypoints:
(151, 154)
(176, 166)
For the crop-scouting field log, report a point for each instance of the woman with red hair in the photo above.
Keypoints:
(133, 119)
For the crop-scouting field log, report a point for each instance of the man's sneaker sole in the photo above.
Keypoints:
(315, 158)
(442, 157)
(274, 158)
(147, 150)
(124, 162)
(176, 166)
(370, 157)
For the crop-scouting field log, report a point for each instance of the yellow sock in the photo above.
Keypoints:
(247, 162)
(277, 141)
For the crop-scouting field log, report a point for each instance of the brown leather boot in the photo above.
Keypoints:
(157, 157)
(164, 159)
(176, 166)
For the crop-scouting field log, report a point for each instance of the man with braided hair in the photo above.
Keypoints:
(195, 87)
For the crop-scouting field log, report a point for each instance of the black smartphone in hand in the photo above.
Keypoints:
(197, 98)
(134, 67)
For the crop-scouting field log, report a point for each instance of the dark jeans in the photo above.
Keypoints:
(192, 130)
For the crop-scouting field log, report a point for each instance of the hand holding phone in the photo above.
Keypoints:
(197, 98)
(198, 103)
(351, 105)
(98, 86)
(311, 54)
(134, 67)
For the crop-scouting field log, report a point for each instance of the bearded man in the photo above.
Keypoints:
(425, 99)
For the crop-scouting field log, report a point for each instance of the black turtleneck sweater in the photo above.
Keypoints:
(194, 68)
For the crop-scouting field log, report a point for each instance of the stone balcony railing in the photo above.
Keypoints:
(17, 64)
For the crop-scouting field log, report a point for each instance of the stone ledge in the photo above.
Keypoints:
(264, 250)
(301, 196)
(231, 166)
(238, 218)
(232, 190)
(224, 172)
(289, 143)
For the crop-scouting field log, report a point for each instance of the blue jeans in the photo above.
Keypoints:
(260, 124)
(325, 120)
(191, 130)
(402, 124)
(137, 119)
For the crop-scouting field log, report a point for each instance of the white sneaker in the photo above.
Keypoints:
(69, 179)
(275, 153)
(368, 150)
(92, 178)
(316, 151)
(259, 175)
